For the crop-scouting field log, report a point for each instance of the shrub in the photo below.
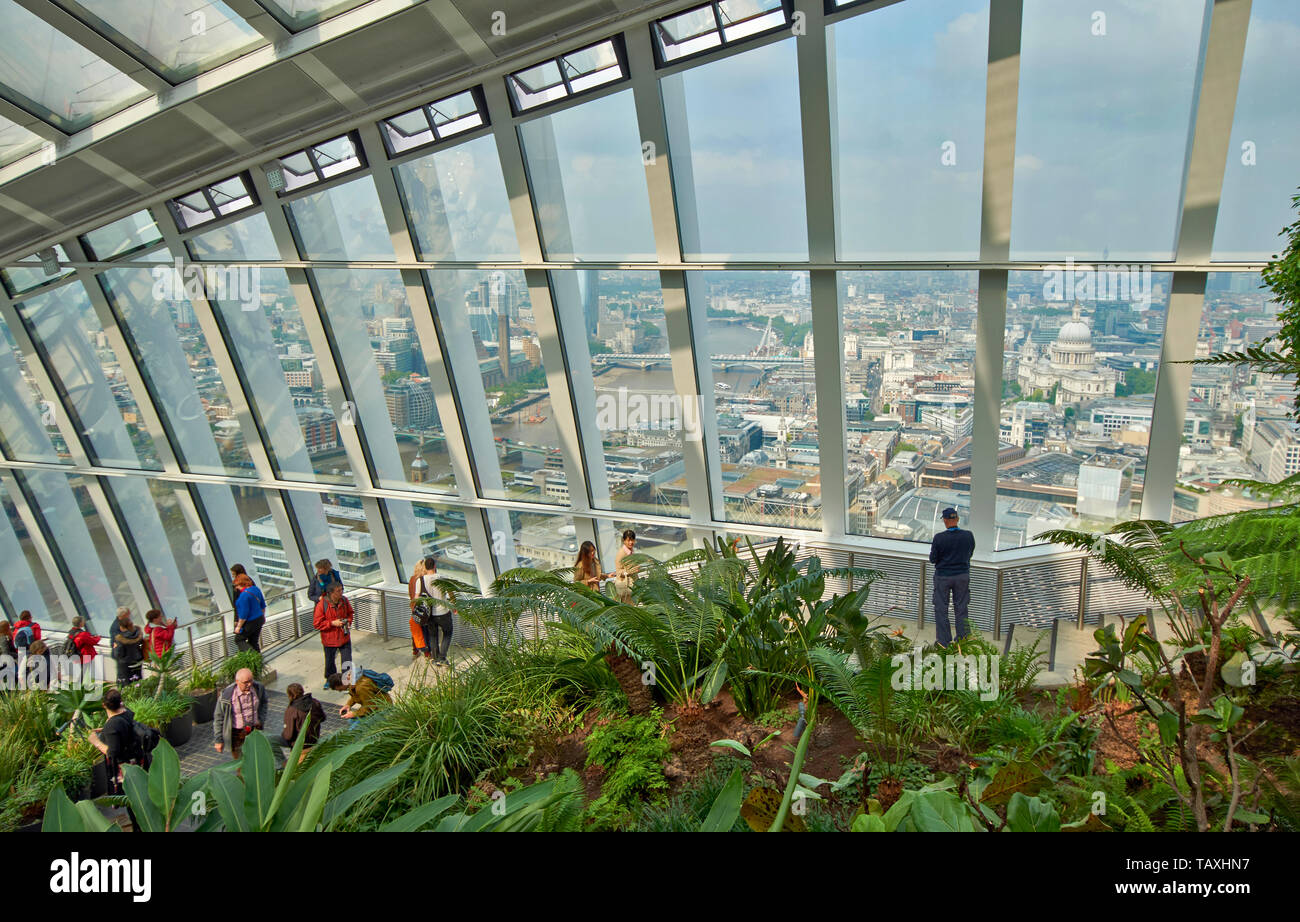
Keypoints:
(245, 659)
(632, 751)
(158, 711)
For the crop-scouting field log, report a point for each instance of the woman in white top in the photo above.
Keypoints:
(623, 574)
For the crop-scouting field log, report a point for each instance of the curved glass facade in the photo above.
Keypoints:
(821, 285)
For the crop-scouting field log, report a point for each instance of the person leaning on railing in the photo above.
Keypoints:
(250, 614)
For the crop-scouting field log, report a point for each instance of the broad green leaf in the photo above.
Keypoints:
(713, 681)
(1031, 814)
(229, 793)
(382, 781)
(421, 815)
(94, 820)
(60, 814)
(135, 783)
(811, 781)
(258, 768)
(1245, 816)
(726, 808)
(1168, 726)
(941, 811)
(164, 781)
(1024, 777)
(868, 822)
(315, 804)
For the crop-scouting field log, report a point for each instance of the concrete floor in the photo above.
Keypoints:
(304, 663)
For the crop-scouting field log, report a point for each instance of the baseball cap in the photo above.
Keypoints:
(950, 513)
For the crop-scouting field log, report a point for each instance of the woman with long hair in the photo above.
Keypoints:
(586, 569)
(622, 572)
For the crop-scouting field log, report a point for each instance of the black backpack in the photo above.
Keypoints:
(146, 741)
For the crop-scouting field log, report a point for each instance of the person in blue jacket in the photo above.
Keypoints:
(326, 576)
(250, 614)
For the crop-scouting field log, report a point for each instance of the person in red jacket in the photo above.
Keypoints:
(83, 641)
(25, 619)
(160, 634)
(333, 618)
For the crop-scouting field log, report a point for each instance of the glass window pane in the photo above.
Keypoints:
(64, 325)
(128, 235)
(588, 181)
(28, 422)
(297, 15)
(16, 141)
(1260, 179)
(173, 355)
(1078, 392)
(1103, 127)
(173, 563)
(687, 33)
(738, 156)
(249, 238)
(19, 279)
(491, 314)
(759, 338)
(909, 153)
(178, 38)
(658, 541)
(53, 77)
(24, 581)
(279, 371)
(540, 540)
(370, 318)
(909, 384)
(77, 534)
(345, 222)
(1237, 423)
(638, 413)
(433, 530)
(456, 204)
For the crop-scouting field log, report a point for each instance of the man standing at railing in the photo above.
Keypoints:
(950, 552)
(333, 618)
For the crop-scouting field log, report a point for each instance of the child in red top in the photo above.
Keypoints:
(160, 634)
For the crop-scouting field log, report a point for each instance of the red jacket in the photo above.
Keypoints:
(85, 642)
(162, 638)
(36, 628)
(332, 636)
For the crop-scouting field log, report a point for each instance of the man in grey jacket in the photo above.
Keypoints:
(241, 709)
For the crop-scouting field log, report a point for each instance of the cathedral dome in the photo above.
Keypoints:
(1075, 331)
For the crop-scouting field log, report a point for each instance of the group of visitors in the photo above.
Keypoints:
(586, 569)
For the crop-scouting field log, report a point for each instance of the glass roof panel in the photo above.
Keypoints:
(28, 423)
(177, 38)
(1260, 176)
(249, 238)
(20, 279)
(1103, 127)
(16, 141)
(54, 78)
(132, 233)
(296, 15)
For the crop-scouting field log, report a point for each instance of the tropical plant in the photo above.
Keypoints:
(244, 659)
(158, 710)
(632, 751)
(201, 678)
(164, 666)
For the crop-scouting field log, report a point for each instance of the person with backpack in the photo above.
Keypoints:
(326, 576)
(26, 622)
(429, 605)
(241, 709)
(122, 740)
(160, 634)
(250, 615)
(302, 711)
(370, 691)
(79, 647)
(127, 648)
(333, 618)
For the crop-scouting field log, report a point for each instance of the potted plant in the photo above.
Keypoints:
(246, 659)
(170, 713)
(202, 689)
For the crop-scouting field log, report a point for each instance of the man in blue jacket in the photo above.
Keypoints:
(250, 615)
(950, 552)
